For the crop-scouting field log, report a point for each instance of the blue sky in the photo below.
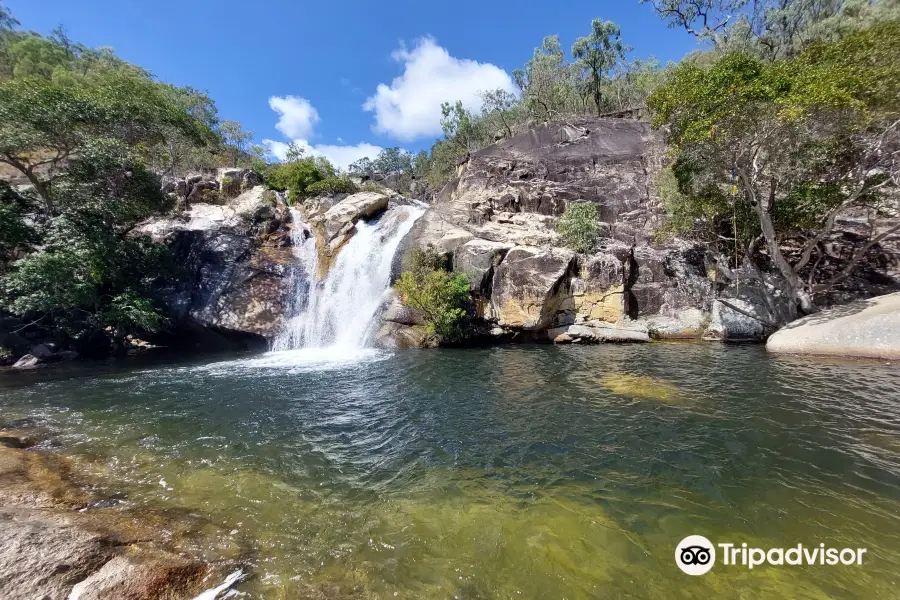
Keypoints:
(345, 77)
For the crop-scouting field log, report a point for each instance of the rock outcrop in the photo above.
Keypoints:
(235, 259)
(496, 222)
(336, 225)
(866, 329)
(57, 541)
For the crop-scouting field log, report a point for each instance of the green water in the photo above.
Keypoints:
(516, 472)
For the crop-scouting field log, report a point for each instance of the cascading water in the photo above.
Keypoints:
(339, 312)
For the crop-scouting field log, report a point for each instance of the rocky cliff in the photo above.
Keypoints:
(232, 242)
(496, 222)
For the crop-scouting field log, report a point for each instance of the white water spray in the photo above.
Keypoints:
(340, 312)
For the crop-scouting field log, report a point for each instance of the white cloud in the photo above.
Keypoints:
(411, 106)
(339, 156)
(297, 117)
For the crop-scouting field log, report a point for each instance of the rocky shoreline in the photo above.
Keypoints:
(59, 539)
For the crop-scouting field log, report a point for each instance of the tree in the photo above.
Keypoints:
(298, 175)
(44, 124)
(7, 20)
(805, 139)
(392, 160)
(499, 110)
(461, 128)
(546, 82)
(597, 54)
(236, 138)
(363, 166)
(704, 19)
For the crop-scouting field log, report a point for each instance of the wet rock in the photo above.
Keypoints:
(142, 574)
(20, 438)
(397, 312)
(599, 332)
(41, 351)
(397, 336)
(867, 329)
(237, 276)
(43, 554)
(729, 324)
(67, 355)
(337, 225)
(29, 361)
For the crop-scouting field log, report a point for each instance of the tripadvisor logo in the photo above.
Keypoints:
(696, 555)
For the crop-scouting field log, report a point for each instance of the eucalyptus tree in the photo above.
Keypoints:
(804, 140)
(597, 54)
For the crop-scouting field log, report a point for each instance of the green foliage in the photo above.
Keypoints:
(803, 137)
(579, 226)
(332, 185)
(84, 128)
(15, 233)
(299, 177)
(87, 273)
(392, 160)
(597, 54)
(442, 297)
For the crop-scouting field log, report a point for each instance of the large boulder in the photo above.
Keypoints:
(866, 329)
(477, 259)
(336, 226)
(236, 273)
(530, 286)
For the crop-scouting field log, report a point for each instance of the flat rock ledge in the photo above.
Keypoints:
(598, 332)
(59, 542)
(865, 329)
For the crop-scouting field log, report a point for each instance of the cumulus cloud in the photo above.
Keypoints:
(411, 106)
(339, 156)
(297, 117)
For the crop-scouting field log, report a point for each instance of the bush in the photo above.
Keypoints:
(296, 176)
(332, 185)
(442, 297)
(579, 227)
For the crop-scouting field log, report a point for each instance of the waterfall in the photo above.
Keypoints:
(340, 311)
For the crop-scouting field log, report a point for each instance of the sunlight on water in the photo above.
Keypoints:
(503, 473)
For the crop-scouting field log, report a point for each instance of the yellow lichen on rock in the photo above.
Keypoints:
(601, 306)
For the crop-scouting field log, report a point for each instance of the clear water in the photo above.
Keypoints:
(515, 472)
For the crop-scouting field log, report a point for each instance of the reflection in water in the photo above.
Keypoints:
(533, 472)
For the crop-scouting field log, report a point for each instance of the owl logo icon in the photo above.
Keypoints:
(695, 555)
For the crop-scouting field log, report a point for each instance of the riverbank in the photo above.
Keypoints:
(60, 539)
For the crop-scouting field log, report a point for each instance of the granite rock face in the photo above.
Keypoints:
(235, 259)
(867, 329)
(496, 222)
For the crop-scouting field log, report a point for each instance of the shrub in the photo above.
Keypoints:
(579, 227)
(332, 185)
(298, 175)
(442, 297)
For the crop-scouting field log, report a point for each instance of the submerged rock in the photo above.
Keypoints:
(55, 543)
(867, 329)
